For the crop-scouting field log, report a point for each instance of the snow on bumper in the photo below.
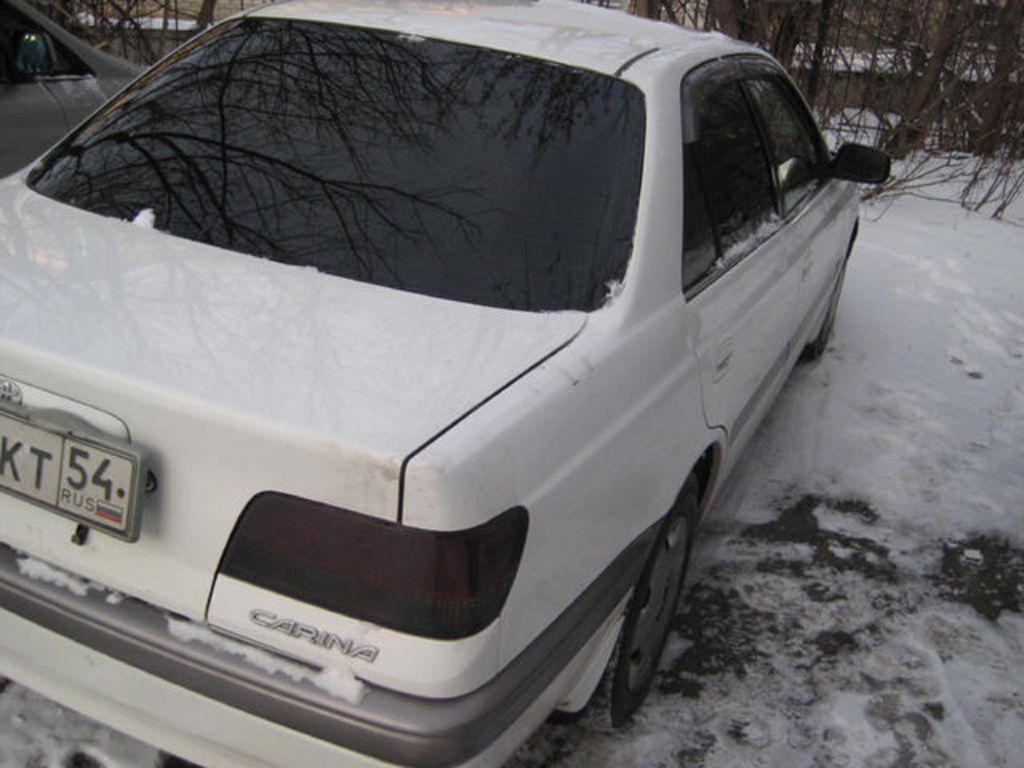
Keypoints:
(117, 661)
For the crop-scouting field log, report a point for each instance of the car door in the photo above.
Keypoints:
(741, 278)
(30, 121)
(78, 96)
(31, 117)
(817, 220)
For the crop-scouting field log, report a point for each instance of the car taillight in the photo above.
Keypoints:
(439, 584)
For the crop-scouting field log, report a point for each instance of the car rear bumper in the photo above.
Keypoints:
(118, 662)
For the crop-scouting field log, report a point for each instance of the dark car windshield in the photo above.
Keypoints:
(444, 169)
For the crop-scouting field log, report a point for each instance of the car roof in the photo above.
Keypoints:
(565, 31)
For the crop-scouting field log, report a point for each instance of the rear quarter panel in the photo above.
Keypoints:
(597, 441)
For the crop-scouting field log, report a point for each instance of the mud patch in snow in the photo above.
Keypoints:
(788, 653)
(833, 549)
(725, 636)
(984, 572)
(38, 733)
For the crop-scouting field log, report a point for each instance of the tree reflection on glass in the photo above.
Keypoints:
(444, 169)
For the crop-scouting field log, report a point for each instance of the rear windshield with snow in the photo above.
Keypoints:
(444, 169)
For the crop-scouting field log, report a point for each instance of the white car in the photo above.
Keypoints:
(365, 369)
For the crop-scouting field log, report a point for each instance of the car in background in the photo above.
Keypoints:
(49, 82)
(365, 370)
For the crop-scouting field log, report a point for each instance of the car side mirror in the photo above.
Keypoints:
(33, 56)
(856, 162)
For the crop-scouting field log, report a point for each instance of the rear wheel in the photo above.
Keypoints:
(652, 607)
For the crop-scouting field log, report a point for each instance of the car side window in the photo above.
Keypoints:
(699, 249)
(729, 195)
(795, 151)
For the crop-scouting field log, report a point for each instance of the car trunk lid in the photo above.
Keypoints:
(233, 375)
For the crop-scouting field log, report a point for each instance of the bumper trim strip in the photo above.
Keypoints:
(387, 725)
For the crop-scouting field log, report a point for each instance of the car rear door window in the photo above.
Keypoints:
(727, 181)
(699, 247)
(428, 166)
(796, 153)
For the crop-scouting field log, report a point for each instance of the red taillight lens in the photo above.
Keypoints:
(440, 584)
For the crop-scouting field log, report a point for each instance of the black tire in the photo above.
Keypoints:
(652, 607)
(816, 348)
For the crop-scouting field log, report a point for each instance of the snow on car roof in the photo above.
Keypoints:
(565, 31)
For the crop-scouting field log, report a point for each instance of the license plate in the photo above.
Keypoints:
(93, 482)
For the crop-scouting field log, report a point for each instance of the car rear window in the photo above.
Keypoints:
(444, 169)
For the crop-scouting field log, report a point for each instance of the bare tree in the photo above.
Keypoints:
(932, 76)
(139, 30)
(929, 80)
(928, 93)
(206, 11)
(1002, 102)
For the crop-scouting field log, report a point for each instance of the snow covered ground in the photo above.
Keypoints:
(856, 597)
